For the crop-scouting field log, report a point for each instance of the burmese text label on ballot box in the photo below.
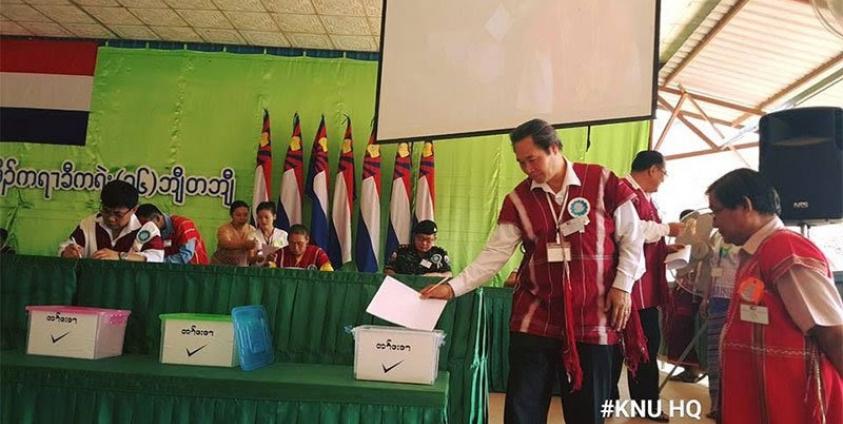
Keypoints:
(396, 354)
(198, 339)
(76, 331)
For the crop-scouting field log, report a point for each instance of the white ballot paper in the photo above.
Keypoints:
(399, 304)
(678, 259)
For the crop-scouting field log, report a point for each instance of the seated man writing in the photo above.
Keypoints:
(114, 233)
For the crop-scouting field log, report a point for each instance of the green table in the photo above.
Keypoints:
(137, 388)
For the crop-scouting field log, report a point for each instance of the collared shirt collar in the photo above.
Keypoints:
(167, 231)
(133, 225)
(571, 178)
(636, 186)
(755, 240)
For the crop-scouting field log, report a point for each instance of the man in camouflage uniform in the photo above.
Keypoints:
(422, 257)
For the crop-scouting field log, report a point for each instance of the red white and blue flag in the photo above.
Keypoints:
(369, 224)
(425, 192)
(400, 218)
(317, 187)
(343, 203)
(263, 170)
(45, 90)
(292, 182)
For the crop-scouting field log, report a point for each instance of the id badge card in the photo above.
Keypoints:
(573, 225)
(559, 252)
(716, 272)
(755, 314)
(425, 263)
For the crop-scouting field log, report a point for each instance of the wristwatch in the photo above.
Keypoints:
(123, 255)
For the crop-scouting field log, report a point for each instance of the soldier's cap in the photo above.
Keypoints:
(425, 227)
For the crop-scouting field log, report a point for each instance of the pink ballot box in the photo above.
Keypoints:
(76, 331)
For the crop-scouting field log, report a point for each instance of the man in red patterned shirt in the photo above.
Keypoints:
(583, 253)
(182, 242)
(650, 292)
(299, 253)
(782, 344)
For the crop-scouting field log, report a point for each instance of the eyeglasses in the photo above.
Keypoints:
(664, 171)
(114, 213)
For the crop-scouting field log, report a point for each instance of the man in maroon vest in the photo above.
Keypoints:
(583, 253)
(114, 233)
(651, 291)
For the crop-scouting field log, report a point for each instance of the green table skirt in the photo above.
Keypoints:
(136, 388)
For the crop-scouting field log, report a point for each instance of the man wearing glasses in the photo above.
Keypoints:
(114, 233)
(650, 292)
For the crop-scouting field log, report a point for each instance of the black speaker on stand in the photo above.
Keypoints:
(801, 155)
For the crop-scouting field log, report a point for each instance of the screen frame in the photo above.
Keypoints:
(431, 137)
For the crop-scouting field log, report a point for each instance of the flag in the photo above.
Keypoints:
(425, 194)
(399, 204)
(292, 182)
(263, 170)
(46, 90)
(340, 247)
(317, 187)
(369, 224)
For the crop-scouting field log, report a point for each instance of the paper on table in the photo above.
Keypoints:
(678, 259)
(399, 304)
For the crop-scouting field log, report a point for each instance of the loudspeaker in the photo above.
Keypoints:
(801, 155)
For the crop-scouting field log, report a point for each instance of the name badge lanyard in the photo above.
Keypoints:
(559, 237)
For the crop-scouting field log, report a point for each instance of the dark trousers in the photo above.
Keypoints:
(535, 363)
(645, 384)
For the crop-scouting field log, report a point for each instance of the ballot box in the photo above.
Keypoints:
(198, 339)
(396, 354)
(75, 331)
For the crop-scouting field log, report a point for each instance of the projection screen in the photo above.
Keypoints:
(472, 67)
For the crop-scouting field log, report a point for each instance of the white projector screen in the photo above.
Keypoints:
(453, 68)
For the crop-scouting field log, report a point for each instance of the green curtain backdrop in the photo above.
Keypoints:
(203, 111)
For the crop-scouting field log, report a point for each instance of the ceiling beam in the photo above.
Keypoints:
(793, 85)
(691, 126)
(708, 37)
(708, 152)
(687, 31)
(712, 100)
(674, 112)
(701, 118)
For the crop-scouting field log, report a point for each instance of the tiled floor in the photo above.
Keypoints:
(673, 390)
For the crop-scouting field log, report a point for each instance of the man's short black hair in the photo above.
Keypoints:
(542, 133)
(237, 204)
(426, 227)
(119, 194)
(148, 211)
(299, 229)
(685, 213)
(266, 206)
(732, 188)
(645, 159)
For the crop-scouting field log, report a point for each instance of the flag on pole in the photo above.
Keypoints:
(425, 193)
(263, 171)
(400, 220)
(369, 224)
(317, 187)
(292, 182)
(343, 202)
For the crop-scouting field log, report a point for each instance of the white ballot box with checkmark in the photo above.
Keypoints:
(76, 331)
(198, 339)
(396, 354)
